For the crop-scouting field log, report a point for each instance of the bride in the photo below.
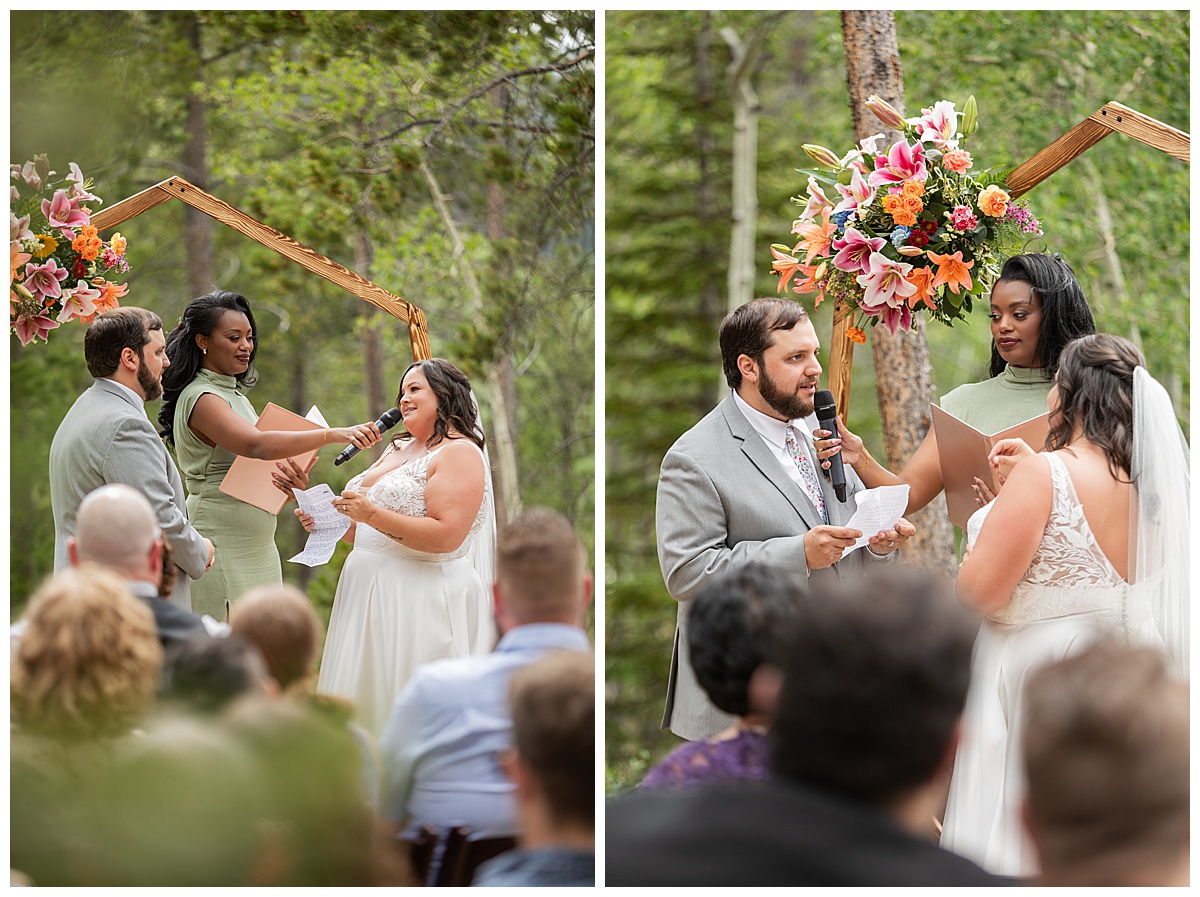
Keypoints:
(417, 586)
(1087, 537)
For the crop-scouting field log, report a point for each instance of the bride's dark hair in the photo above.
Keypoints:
(455, 408)
(1095, 395)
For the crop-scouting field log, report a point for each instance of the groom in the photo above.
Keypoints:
(743, 485)
(107, 438)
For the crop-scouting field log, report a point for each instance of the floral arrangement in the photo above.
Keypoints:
(917, 228)
(59, 266)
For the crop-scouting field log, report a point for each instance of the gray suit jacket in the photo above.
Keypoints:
(724, 500)
(107, 438)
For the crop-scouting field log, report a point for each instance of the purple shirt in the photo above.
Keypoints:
(744, 757)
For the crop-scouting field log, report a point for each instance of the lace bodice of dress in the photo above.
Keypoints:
(1069, 573)
(403, 490)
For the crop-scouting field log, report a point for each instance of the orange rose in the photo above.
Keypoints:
(912, 189)
(993, 201)
(855, 335)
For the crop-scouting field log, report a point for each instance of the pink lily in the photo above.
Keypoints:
(78, 302)
(76, 190)
(854, 251)
(902, 163)
(30, 327)
(938, 124)
(816, 235)
(29, 174)
(18, 228)
(816, 201)
(885, 283)
(63, 211)
(890, 317)
(859, 193)
(45, 281)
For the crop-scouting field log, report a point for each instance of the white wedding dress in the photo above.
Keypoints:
(396, 607)
(1070, 595)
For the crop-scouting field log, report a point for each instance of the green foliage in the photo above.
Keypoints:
(668, 146)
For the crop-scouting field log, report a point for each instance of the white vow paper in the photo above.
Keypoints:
(878, 509)
(329, 525)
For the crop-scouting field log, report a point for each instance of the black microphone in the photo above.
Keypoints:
(386, 421)
(826, 410)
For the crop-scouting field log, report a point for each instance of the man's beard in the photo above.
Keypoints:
(788, 405)
(151, 386)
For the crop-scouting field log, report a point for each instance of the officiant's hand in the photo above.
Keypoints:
(292, 476)
(828, 445)
(889, 540)
(823, 545)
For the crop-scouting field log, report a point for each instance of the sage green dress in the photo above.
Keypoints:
(243, 535)
(1013, 396)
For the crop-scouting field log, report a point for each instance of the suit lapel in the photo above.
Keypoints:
(760, 456)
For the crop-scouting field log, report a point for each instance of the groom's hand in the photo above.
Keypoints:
(888, 541)
(823, 545)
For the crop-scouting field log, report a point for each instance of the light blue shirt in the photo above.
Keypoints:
(440, 746)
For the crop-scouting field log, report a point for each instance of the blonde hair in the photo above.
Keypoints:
(88, 662)
(539, 564)
(281, 623)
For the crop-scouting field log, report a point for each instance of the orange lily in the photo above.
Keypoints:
(922, 279)
(814, 281)
(952, 271)
(784, 265)
(817, 236)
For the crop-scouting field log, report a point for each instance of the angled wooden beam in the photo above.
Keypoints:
(1108, 118)
(178, 188)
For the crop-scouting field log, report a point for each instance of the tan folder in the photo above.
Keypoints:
(250, 479)
(964, 451)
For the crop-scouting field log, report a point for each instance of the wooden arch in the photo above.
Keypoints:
(178, 188)
(1108, 118)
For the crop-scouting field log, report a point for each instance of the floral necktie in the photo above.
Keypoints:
(808, 475)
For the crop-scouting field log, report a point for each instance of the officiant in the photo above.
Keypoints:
(742, 485)
(208, 420)
(1036, 308)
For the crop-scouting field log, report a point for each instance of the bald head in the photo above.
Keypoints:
(116, 528)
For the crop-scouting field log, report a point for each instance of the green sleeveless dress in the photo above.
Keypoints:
(242, 535)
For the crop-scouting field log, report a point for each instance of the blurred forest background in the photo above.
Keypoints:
(447, 156)
(1119, 214)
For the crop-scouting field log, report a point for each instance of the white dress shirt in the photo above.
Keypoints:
(774, 435)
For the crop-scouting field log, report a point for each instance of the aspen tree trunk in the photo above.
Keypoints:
(711, 308)
(903, 376)
(197, 226)
(378, 400)
(744, 210)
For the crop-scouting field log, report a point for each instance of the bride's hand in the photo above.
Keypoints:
(1006, 453)
(306, 520)
(355, 505)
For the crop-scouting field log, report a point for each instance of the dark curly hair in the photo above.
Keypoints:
(1065, 312)
(1095, 394)
(455, 407)
(734, 625)
(200, 317)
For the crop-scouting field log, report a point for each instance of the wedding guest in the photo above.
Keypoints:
(423, 526)
(116, 529)
(281, 623)
(208, 420)
(867, 718)
(1086, 538)
(88, 662)
(735, 626)
(552, 765)
(1036, 308)
(310, 767)
(1106, 743)
(106, 438)
(440, 743)
(206, 676)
